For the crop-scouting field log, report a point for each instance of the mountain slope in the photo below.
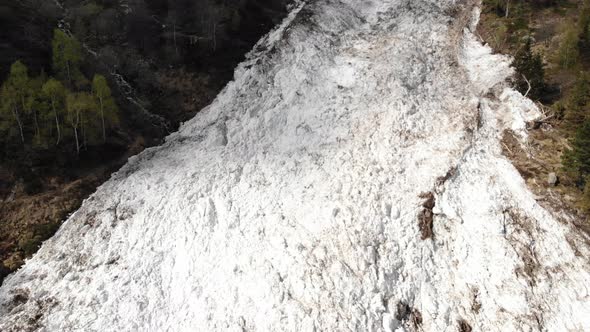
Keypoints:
(349, 178)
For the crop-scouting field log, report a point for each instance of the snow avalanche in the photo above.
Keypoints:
(350, 178)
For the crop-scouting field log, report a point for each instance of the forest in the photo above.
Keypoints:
(41, 112)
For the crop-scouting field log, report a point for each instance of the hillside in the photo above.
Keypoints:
(351, 177)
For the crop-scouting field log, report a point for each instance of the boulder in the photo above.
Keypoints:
(552, 179)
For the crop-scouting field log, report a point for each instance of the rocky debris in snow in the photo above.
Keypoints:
(406, 315)
(475, 303)
(440, 181)
(426, 216)
(402, 311)
(464, 326)
(416, 319)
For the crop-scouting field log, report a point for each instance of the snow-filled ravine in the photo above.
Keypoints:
(350, 178)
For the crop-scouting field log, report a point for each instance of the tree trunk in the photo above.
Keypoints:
(104, 134)
(84, 140)
(174, 34)
(77, 143)
(76, 133)
(20, 126)
(214, 37)
(56, 121)
(69, 75)
(37, 129)
(507, 7)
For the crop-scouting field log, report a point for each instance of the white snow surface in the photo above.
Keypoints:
(292, 202)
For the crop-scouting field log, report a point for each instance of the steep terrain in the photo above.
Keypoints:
(164, 61)
(351, 177)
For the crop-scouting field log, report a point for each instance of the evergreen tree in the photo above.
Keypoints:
(568, 49)
(530, 70)
(577, 102)
(55, 92)
(584, 31)
(576, 161)
(106, 105)
(586, 195)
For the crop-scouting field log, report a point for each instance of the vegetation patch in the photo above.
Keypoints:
(550, 43)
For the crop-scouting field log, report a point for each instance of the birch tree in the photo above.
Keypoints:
(106, 104)
(78, 106)
(67, 56)
(55, 92)
(14, 93)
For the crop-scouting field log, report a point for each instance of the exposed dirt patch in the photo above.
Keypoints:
(28, 219)
(522, 240)
(192, 91)
(535, 162)
(426, 216)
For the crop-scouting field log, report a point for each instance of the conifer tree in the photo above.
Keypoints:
(530, 71)
(577, 103)
(586, 195)
(584, 30)
(577, 160)
(568, 49)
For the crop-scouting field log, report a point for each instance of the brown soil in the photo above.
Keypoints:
(26, 220)
(536, 161)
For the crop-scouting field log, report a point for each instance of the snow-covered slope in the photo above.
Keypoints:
(302, 198)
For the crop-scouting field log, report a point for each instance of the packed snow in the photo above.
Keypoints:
(302, 198)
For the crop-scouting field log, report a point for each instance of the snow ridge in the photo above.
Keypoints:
(350, 178)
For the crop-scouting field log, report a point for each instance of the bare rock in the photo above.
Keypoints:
(552, 179)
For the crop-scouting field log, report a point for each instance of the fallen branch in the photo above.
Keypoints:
(528, 83)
